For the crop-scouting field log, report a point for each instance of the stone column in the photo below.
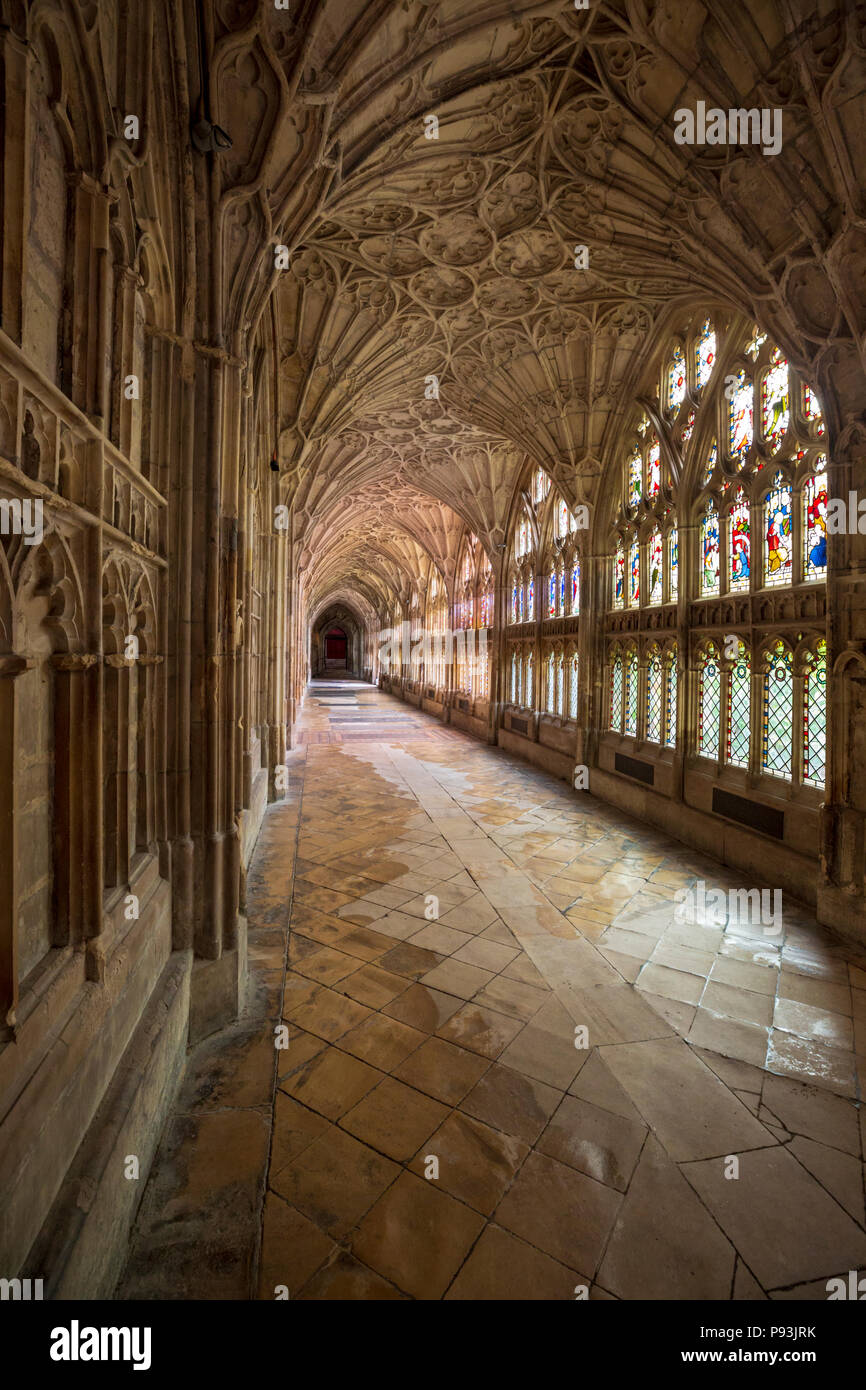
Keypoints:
(10, 667)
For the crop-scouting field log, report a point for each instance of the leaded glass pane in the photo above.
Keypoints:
(655, 567)
(775, 401)
(572, 689)
(671, 700)
(740, 428)
(778, 550)
(634, 479)
(673, 563)
(705, 354)
(575, 588)
(653, 469)
(739, 552)
(616, 694)
(677, 380)
(654, 700)
(710, 551)
(776, 733)
(619, 576)
(631, 682)
(815, 722)
(710, 702)
(739, 703)
(815, 528)
(633, 575)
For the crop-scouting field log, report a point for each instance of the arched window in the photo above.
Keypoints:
(560, 683)
(775, 402)
(630, 689)
(656, 568)
(551, 594)
(530, 599)
(530, 679)
(710, 550)
(812, 410)
(778, 547)
(740, 411)
(738, 730)
(709, 703)
(550, 669)
(540, 486)
(633, 574)
(635, 485)
(670, 697)
(815, 719)
(815, 527)
(739, 565)
(654, 685)
(673, 563)
(677, 380)
(572, 686)
(653, 469)
(515, 602)
(619, 575)
(575, 587)
(778, 713)
(615, 693)
(705, 354)
(515, 678)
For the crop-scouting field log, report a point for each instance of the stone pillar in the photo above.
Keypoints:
(78, 798)
(10, 667)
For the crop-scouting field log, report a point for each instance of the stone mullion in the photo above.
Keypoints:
(10, 667)
(78, 798)
(15, 182)
(124, 365)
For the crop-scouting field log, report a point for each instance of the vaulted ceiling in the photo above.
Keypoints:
(434, 330)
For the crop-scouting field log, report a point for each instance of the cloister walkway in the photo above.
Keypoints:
(512, 1071)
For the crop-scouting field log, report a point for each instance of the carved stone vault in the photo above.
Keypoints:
(296, 303)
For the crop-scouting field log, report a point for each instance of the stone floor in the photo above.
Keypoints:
(440, 927)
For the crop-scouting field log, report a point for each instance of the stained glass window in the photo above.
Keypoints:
(633, 574)
(655, 567)
(757, 341)
(709, 704)
(739, 552)
(778, 549)
(551, 684)
(775, 401)
(710, 550)
(815, 527)
(619, 576)
(778, 716)
(688, 428)
(815, 721)
(563, 518)
(812, 410)
(711, 463)
(551, 594)
(575, 587)
(654, 699)
(630, 694)
(705, 354)
(540, 486)
(530, 599)
(530, 678)
(653, 469)
(616, 693)
(673, 562)
(677, 380)
(740, 428)
(515, 604)
(739, 703)
(484, 683)
(560, 684)
(562, 590)
(572, 688)
(635, 487)
(671, 698)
